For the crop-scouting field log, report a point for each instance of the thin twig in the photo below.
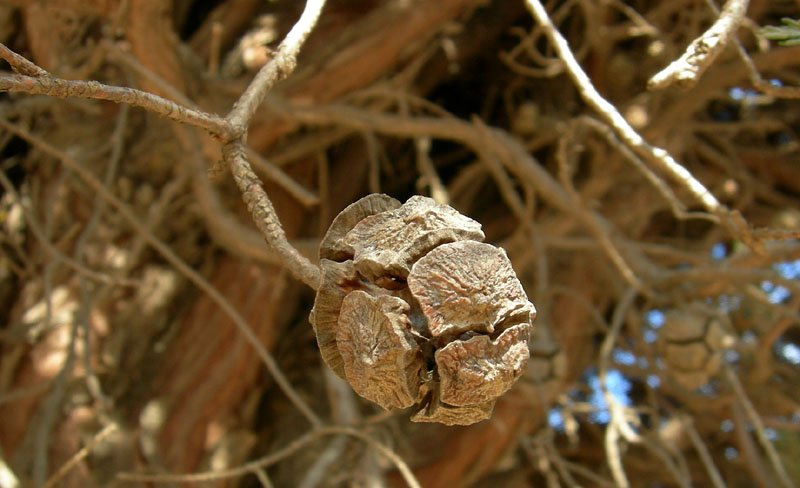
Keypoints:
(627, 133)
(178, 263)
(263, 478)
(117, 139)
(276, 457)
(220, 224)
(702, 451)
(272, 172)
(45, 84)
(236, 237)
(760, 83)
(581, 470)
(51, 410)
(768, 234)
(281, 65)
(611, 441)
(51, 405)
(545, 448)
(275, 174)
(263, 213)
(751, 457)
(214, 48)
(259, 204)
(344, 410)
(565, 174)
(686, 70)
(80, 455)
(38, 232)
(489, 144)
(19, 64)
(678, 208)
(758, 427)
(755, 77)
(428, 171)
(617, 424)
(124, 57)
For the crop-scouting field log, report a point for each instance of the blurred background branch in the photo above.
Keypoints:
(655, 231)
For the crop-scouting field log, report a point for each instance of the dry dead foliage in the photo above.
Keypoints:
(636, 159)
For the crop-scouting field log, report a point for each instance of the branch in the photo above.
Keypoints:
(628, 134)
(19, 64)
(618, 426)
(35, 80)
(45, 84)
(271, 171)
(755, 420)
(264, 215)
(279, 66)
(756, 79)
(80, 455)
(170, 256)
(283, 453)
(686, 70)
(702, 451)
(486, 142)
(239, 117)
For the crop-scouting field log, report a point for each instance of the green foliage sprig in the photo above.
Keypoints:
(787, 35)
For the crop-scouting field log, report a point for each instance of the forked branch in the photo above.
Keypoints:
(656, 155)
(32, 79)
(685, 70)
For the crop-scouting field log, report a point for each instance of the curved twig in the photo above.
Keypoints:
(281, 65)
(273, 458)
(260, 206)
(178, 263)
(56, 87)
(628, 134)
(80, 455)
(758, 427)
(686, 70)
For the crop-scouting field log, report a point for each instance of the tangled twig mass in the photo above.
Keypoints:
(632, 165)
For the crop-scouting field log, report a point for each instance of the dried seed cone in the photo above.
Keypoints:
(413, 309)
(547, 366)
(692, 344)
